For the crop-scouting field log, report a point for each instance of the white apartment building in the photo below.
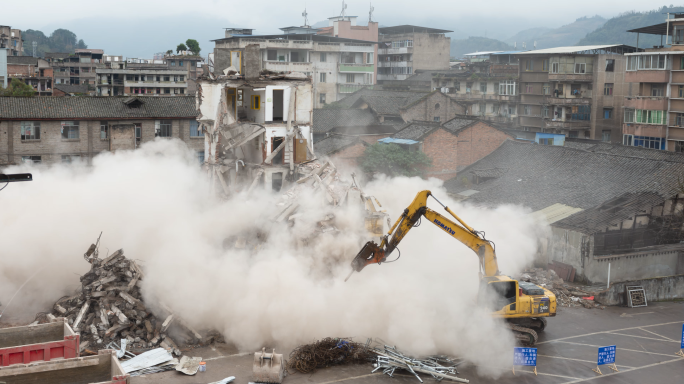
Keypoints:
(337, 66)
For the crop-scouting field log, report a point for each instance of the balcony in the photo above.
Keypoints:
(648, 76)
(571, 77)
(355, 68)
(394, 51)
(580, 100)
(567, 124)
(389, 64)
(646, 102)
(477, 96)
(383, 77)
(287, 66)
(351, 88)
(649, 130)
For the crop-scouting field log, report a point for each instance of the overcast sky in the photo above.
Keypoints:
(101, 23)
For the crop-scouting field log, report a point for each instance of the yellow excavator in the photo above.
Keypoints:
(525, 306)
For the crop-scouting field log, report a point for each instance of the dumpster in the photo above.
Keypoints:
(41, 342)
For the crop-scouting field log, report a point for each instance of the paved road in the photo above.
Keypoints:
(646, 340)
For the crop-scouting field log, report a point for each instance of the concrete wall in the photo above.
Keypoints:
(621, 88)
(350, 155)
(52, 146)
(656, 289)
(435, 105)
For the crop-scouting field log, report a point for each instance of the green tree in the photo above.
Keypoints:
(393, 160)
(17, 87)
(169, 52)
(181, 47)
(193, 46)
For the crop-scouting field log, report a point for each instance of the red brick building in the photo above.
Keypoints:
(454, 144)
(343, 150)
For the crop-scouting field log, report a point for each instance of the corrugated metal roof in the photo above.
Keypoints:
(392, 140)
(482, 53)
(573, 49)
(555, 212)
(468, 192)
(146, 360)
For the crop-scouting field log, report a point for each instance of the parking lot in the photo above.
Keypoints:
(646, 339)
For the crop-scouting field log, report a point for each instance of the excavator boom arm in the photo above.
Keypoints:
(371, 253)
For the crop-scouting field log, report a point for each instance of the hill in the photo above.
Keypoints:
(563, 36)
(614, 30)
(477, 44)
(60, 40)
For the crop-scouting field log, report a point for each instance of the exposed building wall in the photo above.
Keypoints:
(614, 102)
(441, 146)
(349, 156)
(437, 105)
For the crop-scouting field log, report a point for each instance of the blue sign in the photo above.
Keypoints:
(682, 336)
(525, 356)
(606, 355)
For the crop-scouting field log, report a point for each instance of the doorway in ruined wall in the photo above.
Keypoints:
(275, 143)
(231, 101)
(278, 105)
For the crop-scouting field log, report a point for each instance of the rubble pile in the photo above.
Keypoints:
(566, 295)
(440, 367)
(109, 307)
(328, 352)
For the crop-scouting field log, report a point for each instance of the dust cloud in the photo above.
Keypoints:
(155, 203)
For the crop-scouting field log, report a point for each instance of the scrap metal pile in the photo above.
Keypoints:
(439, 367)
(328, 352)
(109, 307)
(566, 295)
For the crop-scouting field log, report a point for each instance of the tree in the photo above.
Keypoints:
(169, 52)
(181, 47)
(17, 87)
(193, 46)
(393, 160)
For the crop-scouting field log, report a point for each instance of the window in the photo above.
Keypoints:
(483, 87)
(529, 65)
(548, 141)
(507, 88)
(256, 102)
(680, 93)
(482, 107)
(580, 68)
(642, 62)
(180, 63)
(369, 57)
(629, 115)
(545, 65)
(608, 89)
(679, 146)
(350, 78)
(173, 63)
(70, 130)
(162, 128)
(104, 130)
(195, 130)
(321, 98)
(181, 91)
(545, 111)
(138, 131)
(554, 67)
(546, 89)
(322, 78)
(657, 90)
(469, 86)
(437, 106)
(649, 142)
(272, 55)
(32, 159)
(680, 120)
(294, 57)
(527, 110)
(610, 65)
(70, 158)
(200, 157)
(436, 118)
(607, 113)
(129, 77)
(605, 135)
(573, 134)
(30, 130)
(628, 140)
(643, 116)
(678, 35)
(167, 90)
(528, 88)
(323, 57)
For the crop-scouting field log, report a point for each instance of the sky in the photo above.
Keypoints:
(142, 27)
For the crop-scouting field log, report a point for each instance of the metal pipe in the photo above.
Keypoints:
(608, 286)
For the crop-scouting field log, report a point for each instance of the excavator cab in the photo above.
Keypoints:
(498, 295)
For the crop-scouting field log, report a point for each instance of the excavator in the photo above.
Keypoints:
(523, 305)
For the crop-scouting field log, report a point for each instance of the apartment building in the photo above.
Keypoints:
(32, 71)
(405, 48)
(654, 114)
(10, 39)
(78, 68)
(577, 91)
(336, 65)
(3, 67)
(63, 129)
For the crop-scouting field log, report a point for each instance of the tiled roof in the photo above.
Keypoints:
(68, 88)
(95, 107)
(57, 55)
(416, 130)
(538, 176)
(326, 119)
(379, 100)
(332, 144)
(24, 60)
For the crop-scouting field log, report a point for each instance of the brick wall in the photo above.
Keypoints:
(350, 155)
(451, 153)
(435, 105)
(52, 146)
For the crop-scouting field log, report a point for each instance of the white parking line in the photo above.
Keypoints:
(625, 371)
(549, 374)
(643, 337)
(608, 331)
(621, 349)
(226, 356)
(666, 338)
(568, 358)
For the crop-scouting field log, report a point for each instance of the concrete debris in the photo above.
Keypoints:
(224, 381)
(189, 365)
(566, 295)
(439, 367)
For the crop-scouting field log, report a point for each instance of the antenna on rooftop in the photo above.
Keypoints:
(306, 19)
(370, 14)
(34, 44)
(344, 6)
(535, 45)
(515, 44)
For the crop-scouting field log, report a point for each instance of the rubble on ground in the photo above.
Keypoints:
(566, 295)
(109, 308)
(440, 367)
(328, 352)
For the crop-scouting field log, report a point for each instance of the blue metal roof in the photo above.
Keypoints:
(507, 52)
(388, 140)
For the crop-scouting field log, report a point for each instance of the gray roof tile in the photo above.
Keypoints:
(335, 143)
(326, 119)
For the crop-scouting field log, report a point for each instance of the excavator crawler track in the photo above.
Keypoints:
(527, 336)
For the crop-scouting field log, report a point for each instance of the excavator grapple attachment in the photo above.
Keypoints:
(371, 253)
